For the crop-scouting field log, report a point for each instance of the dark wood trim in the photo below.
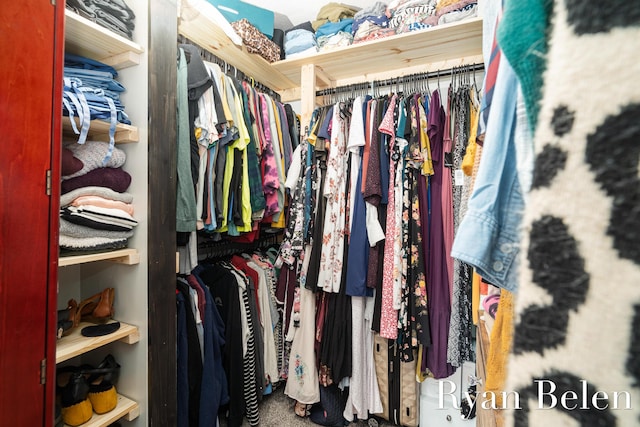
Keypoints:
(163, 33)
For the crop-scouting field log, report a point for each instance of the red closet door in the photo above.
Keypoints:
(31, 53)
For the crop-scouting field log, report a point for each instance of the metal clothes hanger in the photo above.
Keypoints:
(438, 77)
(428, 88)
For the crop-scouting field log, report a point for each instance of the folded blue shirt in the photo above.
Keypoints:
(331, 28)
(77, 61)
(96, 79)
(298, 40)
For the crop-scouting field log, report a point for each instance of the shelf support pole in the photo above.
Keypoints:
(307, 92)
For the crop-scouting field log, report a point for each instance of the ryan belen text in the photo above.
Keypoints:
(547, 396)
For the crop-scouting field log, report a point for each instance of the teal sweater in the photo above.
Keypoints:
(523, 35)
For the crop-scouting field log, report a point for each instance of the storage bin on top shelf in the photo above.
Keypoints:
(235, 10)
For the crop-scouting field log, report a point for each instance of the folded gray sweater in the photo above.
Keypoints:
(70, 229)
(91, 153)
(91, 243)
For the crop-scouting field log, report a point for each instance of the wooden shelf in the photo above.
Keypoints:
(443, 46)
(126, 408)
(197, 23)
(400, 53)
(99, 131)
(75, 344)
(86, 38)
(121, 256)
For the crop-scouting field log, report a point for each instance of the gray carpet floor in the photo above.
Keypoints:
(276, 410)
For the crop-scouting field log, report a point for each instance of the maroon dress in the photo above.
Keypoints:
(438, 280)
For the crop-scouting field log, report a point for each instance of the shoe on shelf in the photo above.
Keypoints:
(68, 319)
(99, 307)
(73, 392)
(102, 384)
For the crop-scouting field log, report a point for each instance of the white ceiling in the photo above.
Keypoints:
(301, 10)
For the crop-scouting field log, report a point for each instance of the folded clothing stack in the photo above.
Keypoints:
(99, 218)
(299, 42)
(91, 92)
(334, 34)
(339, 25)
(112, 14)
(98, 166)
(333, 12)
(410, 15)
(96, 213)
(95, 218)
(371, 23)
(91, 156)
(448, 11)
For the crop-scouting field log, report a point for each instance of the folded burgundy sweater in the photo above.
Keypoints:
(114, 178)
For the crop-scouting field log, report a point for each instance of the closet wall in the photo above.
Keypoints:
(131, 281)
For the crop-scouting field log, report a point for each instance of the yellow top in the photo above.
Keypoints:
(280, 222)
(469, 157)
(425, 144)
(499, 347)
(239, 144)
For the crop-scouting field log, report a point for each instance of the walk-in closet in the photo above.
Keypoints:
(246, 213)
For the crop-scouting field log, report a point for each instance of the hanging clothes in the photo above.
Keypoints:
(438, 287)
(224, 289)
(389, 316)
(460, 348)
(236, 305)
(334, 190)
(239, 146)
(419, 331)
(372, 214)
(192, 361)
(186, 203)
(302, 381)
(364, 395)
(358, 250)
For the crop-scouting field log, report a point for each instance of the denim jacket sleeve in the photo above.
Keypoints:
(488, 237)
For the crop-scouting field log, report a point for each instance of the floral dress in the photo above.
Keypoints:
(388, 315)
(416, 331)
(330, 274)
